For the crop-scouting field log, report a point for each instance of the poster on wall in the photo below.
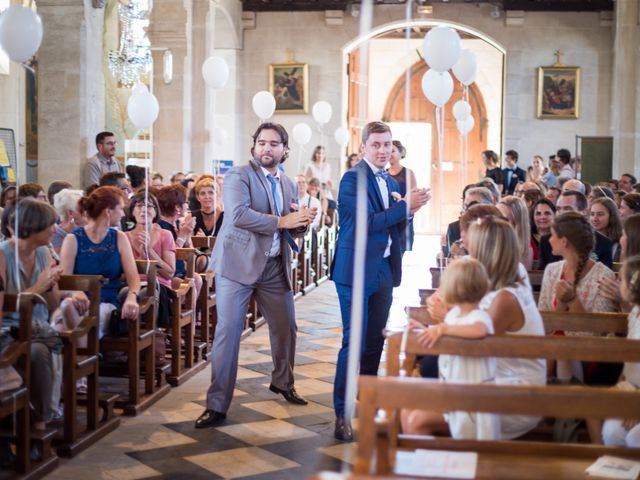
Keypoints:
(558, 92)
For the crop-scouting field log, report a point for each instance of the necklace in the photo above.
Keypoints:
(208, 213)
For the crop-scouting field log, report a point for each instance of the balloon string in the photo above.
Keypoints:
(440, 128)
(407, 115)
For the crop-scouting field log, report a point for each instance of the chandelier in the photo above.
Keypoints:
(133, 58)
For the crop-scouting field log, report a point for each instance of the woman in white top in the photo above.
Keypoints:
(512, 308)
(319, 167)
(618, 431)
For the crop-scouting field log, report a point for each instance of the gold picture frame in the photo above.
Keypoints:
(558, 92)
(289, 85)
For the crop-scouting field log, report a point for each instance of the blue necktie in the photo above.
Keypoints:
(383, 174)
(277, 201)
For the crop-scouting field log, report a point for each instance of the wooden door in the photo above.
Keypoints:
(460, 171)
(358, 97)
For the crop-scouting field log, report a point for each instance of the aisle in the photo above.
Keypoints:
(264, 436)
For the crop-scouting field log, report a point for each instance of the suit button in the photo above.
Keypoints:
(266, 254)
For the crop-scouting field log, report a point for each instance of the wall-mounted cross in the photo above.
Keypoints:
(289, 53)
(558, 54)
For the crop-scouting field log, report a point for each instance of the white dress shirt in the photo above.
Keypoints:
(312, 202)
(384, 190)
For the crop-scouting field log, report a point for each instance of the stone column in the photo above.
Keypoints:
(70, 88)
(171, 136)
(199, 132)
(625, 105)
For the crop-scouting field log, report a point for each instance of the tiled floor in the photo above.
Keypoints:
(264, 437)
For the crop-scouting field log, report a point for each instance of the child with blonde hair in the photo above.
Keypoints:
(464, 284)
(617, 431)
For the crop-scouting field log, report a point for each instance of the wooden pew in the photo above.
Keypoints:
(331, 237)
(206, 303)
(15, 403)
(185, 362)
(84, 362)
(319, 255)
(305, 257)
(139, 343)
(378, 443)
(598, 323)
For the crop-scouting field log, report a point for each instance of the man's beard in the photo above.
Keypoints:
(272, 164)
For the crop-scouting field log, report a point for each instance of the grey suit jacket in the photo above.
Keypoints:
(244, 240)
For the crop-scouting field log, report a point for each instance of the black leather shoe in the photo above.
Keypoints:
(343, 430)
(210, 418)
(290, 395)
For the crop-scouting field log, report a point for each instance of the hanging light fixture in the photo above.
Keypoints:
(133, 58)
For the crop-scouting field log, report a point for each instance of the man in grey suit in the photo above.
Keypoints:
(252, 254)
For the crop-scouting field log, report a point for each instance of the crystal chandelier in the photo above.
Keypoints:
(133, 58)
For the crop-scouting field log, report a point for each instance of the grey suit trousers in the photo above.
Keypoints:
(275, 301)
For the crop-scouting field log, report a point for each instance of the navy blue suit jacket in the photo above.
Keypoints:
(381, 224)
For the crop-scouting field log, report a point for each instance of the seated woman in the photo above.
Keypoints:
(572, 285)
(32, 190)
(513, 311)
(66, 204)
(629, 205)
(625, 432)
(38, 274)
(99, 249)
(605, 219)
(542, 216)
(516, 212)
(209, 216)
(149, 241)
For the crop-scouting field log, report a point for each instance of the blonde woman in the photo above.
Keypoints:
(517, 213)
(209, 217)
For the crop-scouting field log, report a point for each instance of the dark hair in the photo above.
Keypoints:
(631, 229)
(374, 127)
(633, 201)
(614, 226)
(174, 175)
(5, 223)
(101, 199)
(34, 216)
(110, 179)
(157, 175)
(581, 200)
(186, 181)
(532, 197)
(284, 136)
(599, 191)
(578, 231)
(29, 190)
(564, 155)
(169, 197)
(532, 212)
(491, 155)
(102, 135)
(136, 175)
(319, 148)
(56, 187)
(513, 154)
(631, 177)
(138, 198)
(3, 195)
(401, 150)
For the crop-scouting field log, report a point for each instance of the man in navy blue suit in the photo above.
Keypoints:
(512, 174)
(386, 212)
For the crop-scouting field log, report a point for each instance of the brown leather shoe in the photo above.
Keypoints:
(290, 395)
(343, 430)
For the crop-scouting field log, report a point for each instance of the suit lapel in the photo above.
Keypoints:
(263, 181)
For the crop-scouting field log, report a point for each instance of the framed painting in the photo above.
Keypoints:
(289, 84)
(558, 92)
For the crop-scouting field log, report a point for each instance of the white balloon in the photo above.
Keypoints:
(461, 110)
(341, 136)
(466, 69)
(466, 125)
(441, 48)
(220, 136)
(301, 133)
(20, 32)
(263, 104)
(139, 88)
(143, 109)
(437, 87)
(322, 112)
(215, 72)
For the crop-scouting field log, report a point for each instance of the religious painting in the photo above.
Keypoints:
(289, 84)
(558, 92)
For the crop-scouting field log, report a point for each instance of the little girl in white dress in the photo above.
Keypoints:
(464, 284)
(617, 431)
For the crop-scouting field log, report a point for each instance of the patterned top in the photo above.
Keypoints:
(631, 371)
(100, 259)
(588, 290)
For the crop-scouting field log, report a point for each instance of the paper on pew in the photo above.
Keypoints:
(614, 467)
(437, 463)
